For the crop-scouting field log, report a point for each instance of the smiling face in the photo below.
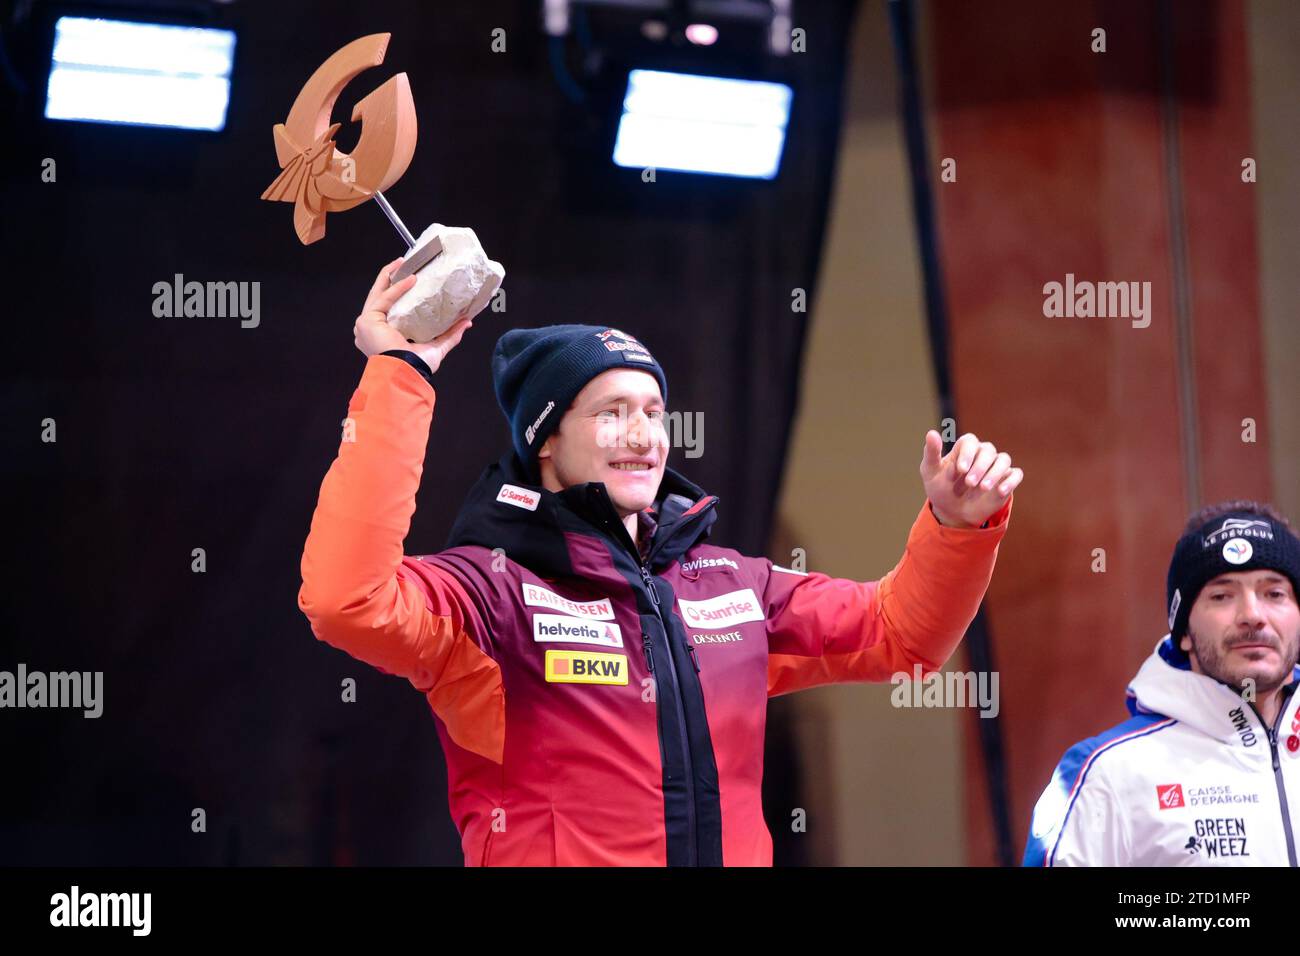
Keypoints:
(614, 433)
(1245, 625)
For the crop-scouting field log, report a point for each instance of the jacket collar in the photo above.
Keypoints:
(504, 509)
(1165, 684)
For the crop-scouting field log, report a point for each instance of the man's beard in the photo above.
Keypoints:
(1214, 662)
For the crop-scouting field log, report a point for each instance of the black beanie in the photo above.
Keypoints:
(537, 373)
(1237, 541)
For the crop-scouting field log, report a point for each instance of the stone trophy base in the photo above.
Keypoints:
(452, 283)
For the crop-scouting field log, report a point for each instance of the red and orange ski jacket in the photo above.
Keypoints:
(598, 705)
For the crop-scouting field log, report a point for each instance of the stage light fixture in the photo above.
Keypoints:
(702, 124)
(136, 73)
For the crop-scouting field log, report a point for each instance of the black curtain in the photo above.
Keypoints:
(175, 434)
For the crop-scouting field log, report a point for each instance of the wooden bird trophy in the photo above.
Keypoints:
(318, 178)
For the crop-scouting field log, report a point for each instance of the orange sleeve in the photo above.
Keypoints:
(824, 630)
(363, 596)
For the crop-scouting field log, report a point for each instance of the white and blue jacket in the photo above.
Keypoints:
(1194, 778)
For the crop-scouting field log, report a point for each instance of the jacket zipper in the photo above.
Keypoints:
(680, 708)
(1271, 732)
(680, 711)
(690, 648)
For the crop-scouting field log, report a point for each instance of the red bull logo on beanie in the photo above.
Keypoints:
(622, 346)
(616, 341)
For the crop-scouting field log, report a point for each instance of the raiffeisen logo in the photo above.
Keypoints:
(538, 596)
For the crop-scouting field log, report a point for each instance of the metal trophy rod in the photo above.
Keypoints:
(395, 219)
(416, 259)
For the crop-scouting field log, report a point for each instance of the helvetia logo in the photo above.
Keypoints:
(573, 630)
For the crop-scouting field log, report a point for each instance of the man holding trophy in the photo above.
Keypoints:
(597, 670)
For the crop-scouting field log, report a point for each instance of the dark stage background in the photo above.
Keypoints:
(183, 433)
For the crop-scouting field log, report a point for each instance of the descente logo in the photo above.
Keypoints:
(731, 637)
(519, 497)
(531, 431)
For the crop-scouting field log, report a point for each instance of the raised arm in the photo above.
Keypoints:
(359, 591)
(824, 630)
